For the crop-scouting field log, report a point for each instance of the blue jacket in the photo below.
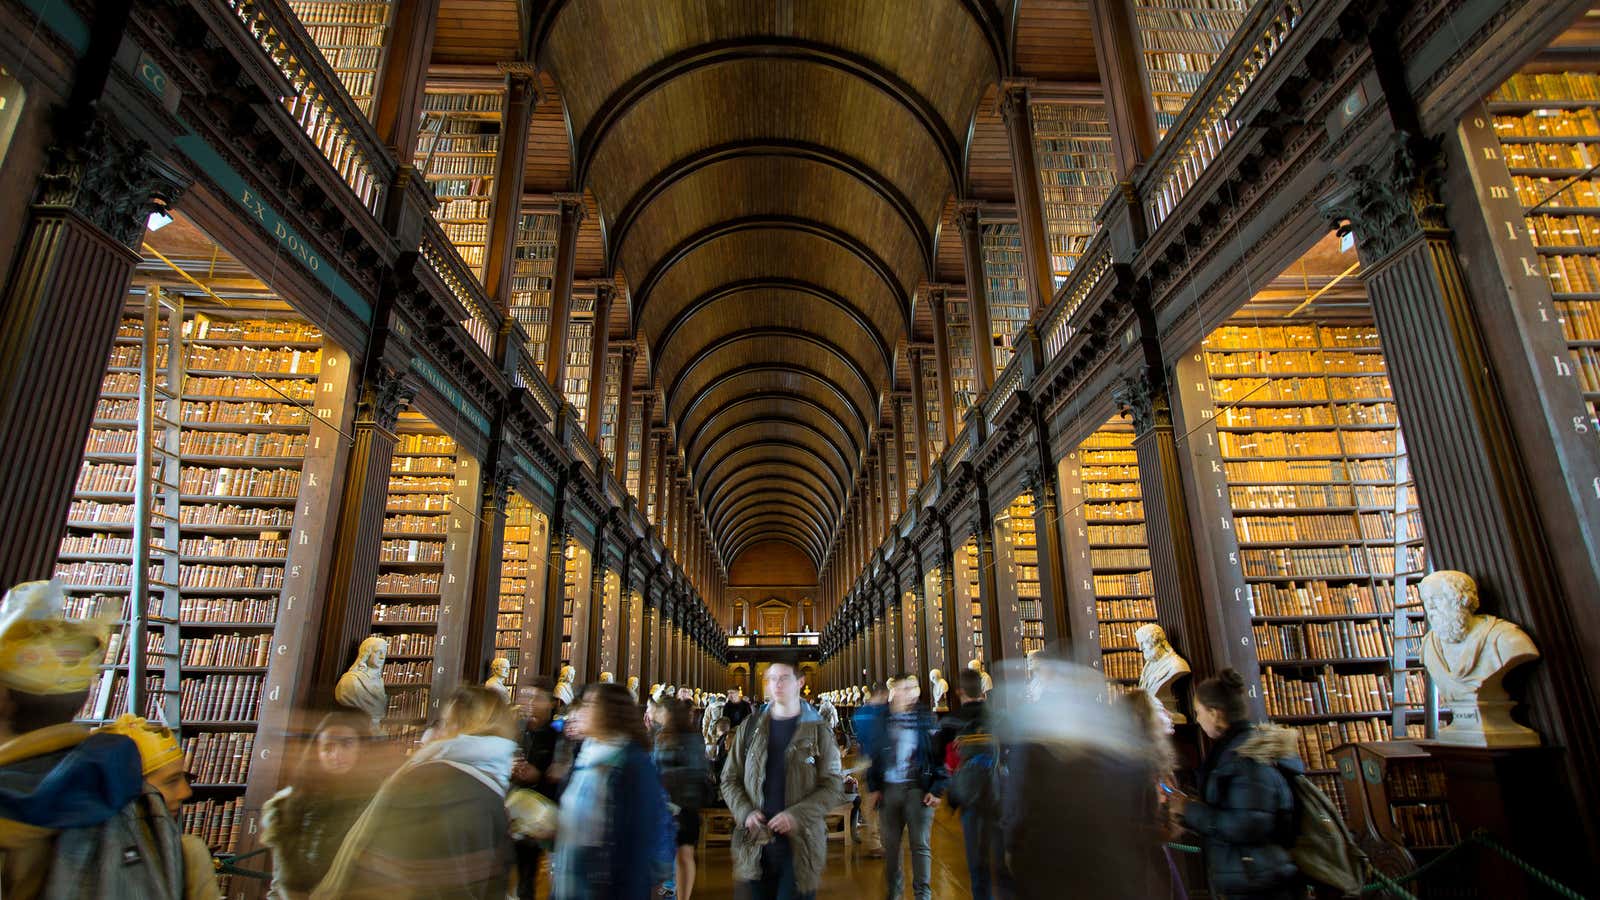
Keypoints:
(868, 726)
(623, 868)
(926, 763)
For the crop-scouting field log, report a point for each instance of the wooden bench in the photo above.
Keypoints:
(717, 825)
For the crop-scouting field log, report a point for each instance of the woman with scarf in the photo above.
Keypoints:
(438, 827)
(306, 822)
(613, 811)
(680, 756)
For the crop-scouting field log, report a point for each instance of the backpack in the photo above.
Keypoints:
(971, 783)
(1322, 847)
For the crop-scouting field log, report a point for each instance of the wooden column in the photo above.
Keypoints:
(647, 642)
(1478, 506)
(58, 322)
(619, 446)
(919, 422)
(555, 577)
(500, 478)
(942, 362)
(970, 225)
(661, 487)
(1025, 182)
(1132, 115)
(402, 74)
(505, 211)
(555, 354)
(599, 348)
(625, 613)
(900, 455)
(352, 583)
(594, 623)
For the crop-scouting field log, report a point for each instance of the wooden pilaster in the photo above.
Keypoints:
(555, 355)
(1025, 181)
(505, 211)
(599, 348)
(970, 226)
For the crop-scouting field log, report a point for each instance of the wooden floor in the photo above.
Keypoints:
(851, 874)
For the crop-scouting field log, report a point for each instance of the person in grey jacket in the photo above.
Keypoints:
(781, 780)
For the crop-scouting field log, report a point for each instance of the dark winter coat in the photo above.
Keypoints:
(1245, 815)
(681, 760)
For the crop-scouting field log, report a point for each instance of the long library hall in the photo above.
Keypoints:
(614, 448)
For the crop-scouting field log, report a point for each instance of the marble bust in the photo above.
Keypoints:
(1162, 668)
(976, 665)
(937, 686)
(1468, 656)
(498, 670)
(361, 686)
(607, 678)
(564, 684)
(633, 687)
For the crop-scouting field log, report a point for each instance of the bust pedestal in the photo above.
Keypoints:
(1518, 797)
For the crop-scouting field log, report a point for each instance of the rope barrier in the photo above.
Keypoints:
(1395, 886)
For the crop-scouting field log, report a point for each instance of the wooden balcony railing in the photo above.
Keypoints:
(320, 105)
(1056, 325)
(483, 321)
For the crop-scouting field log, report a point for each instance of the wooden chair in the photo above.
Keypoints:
(716, 828)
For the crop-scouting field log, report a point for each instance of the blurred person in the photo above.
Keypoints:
(737, 708)
(1244, 815)
(162, 761)
(907, 779)
(77, 816)
(330, 785)
(680, 757)
(1151, 719)
(781, 780)
(966, 743)
(1074, 785)
(612, 807)
(533, 768)
(719, 748)
(868, 725)
(438, 826)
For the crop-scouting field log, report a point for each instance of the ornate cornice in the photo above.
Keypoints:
(110, 178)
(1395, 200)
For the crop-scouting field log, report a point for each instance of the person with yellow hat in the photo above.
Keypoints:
(76, 819)
(162, 762)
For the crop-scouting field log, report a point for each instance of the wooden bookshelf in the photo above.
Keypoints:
(515, 585)
(1549, 134)
(635, 601)
(608, 408)
(963, 377)
(908, 427)
(933, 416)
(1107, 540)
(1072, 146)
(909, 621)
(1299, 417)
(1179, 42)
(1006, 286)
(635, 430)
(1016, 565)
(533, 272)
(457, 149)
(933, 620)
(249, 478)
(575, 380)
(575, 593)
(969, 604)
(610, 621)
(350, 34)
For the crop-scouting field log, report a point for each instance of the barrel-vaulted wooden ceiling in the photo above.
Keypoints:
(774, 182)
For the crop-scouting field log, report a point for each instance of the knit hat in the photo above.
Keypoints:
(158, 746)
(41, 650)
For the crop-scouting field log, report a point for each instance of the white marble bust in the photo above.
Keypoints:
(1468, 656)
(976, 665)
(361, 686)
(937, 686)
(1162, 668)
(633, 687)
(564, 685)
(607, 678)
(499, 668)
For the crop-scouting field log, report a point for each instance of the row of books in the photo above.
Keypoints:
(415, 524)
(243, 360)
(1427, 825)
(432, 444)
(410, 644)
(217, 822)
(422, 483)
(1111, 512)
(205, 443)
(303, 390)
(98, 574)
(408, 583)
(1118, 636)
(1326, 692)
(1553, 86)
(1109, 490)
(1572, 274)
(409, 705)
(95, 544)
(218, 757)
(1277, 562)
(1318, 741)
(411, 551)
(1122, 666)
(229, 548)
(1138, 608)
(1264, 529)
(239, 482)
(204, 576)
(1310, 470)
(1300, 389)
(1564, 231)
(1232, 363)
(1538, 124)
(416, 672)
(435, 502)
(1116, 534)
(226, 650)
(404, 613)
(1563, 155)
(1122, 558)
(1299, 496)
(423, 465)
(1345, 639)
(1297, 335)
(257, 610)
(1320, 598)
(1123, 584)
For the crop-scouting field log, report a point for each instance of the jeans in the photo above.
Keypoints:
(982, 835)
(777, 875)
(903, 811)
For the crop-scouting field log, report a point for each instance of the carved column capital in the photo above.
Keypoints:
(110, 178)
(969, 218)
(1394, 200)
(387, 395)
(504, 480)
(1014, 97)
(1142, 401)
(571, 203)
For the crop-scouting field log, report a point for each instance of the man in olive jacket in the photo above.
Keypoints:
(781, 779)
